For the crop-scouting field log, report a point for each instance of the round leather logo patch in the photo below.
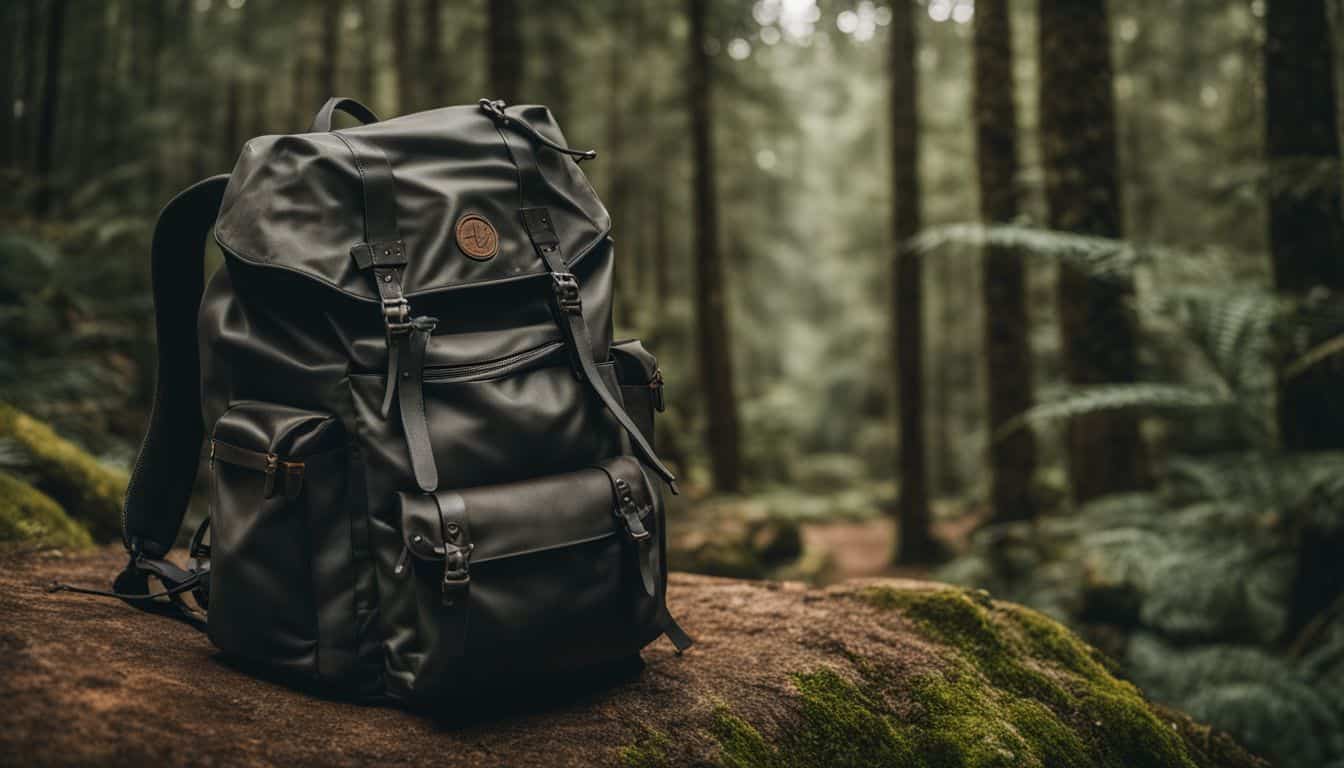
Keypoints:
(477, 237)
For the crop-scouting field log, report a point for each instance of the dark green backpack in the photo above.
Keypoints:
(429, 460)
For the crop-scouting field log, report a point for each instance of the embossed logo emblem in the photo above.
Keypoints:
(477, 237)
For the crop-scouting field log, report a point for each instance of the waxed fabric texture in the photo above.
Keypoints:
(555, 580)
(293, 359)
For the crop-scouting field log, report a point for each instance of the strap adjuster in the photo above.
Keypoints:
(397, 316)
(566, 288)
(456, 572)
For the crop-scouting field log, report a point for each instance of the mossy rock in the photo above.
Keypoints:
(30, 518)
(876, 673)
(86, 489)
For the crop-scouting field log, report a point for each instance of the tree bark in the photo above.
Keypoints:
(504, 50)
(1105, 453)
(1306, 231)
(9, 17)
(430, 76)
(368, 29)
(1012, 459)
(31, 35)
(1335, 10)
(329, 63)
(712, 330)
(51, 91)
(915, 542)
(402, 55)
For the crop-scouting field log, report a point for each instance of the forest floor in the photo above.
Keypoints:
(863, 548)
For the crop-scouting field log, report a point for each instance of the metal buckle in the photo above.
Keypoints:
(456, 574)
(630, 511)
(566, 288)
(397, 316)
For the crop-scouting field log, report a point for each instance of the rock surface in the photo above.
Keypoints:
(891, 673)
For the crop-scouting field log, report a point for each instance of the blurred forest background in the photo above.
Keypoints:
(1040, 296)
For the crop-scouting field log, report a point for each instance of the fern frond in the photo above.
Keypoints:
(1115, 397)
(1103, 258)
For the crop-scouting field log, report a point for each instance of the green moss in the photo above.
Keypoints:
(1027, 674)
(650, 751)
(741, 745)
(87, 490)
(30, 517)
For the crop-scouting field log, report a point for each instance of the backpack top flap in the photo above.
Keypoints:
(296, 202)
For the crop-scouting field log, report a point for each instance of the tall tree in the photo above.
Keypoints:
(504, 50)
(715, 363)
(1012, 458)
(9, 18)
(403, 56)
(429, 74)
(28, 93)
(915, 542)
(1306, 227)
(368, 29)
(1335, 8)
(1104, 451)
(329, 63)
(51, 93)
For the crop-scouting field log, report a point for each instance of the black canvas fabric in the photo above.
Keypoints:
(428, 460)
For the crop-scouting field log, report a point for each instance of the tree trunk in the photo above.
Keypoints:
(1306, 230)
(329, 62)
(716, 365)
(1012, 459)
(1335, 9)
(402, 56)
(368, 30)
(31, 35)
(1104, 451)
(9, 18)
(51, 90)
(557, 61)
(617, 165)
(430, 74)
(915, 542)
(504, 51)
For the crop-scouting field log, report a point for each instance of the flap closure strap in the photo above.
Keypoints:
(289, 473)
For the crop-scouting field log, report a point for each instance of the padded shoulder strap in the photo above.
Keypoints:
(165, 471)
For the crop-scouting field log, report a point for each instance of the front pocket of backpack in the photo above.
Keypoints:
(548, 574)
(280, 577)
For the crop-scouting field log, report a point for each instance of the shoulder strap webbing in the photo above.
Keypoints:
(165, 470)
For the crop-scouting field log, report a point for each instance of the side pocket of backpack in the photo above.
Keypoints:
(641, 383)
(282, 576)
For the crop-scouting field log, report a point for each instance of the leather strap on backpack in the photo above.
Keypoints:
(567, 299)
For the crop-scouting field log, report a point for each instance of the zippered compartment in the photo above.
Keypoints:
(492, 369)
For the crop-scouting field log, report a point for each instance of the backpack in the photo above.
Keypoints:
(429, 461)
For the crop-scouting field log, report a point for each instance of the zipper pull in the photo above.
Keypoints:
(402, 561)
(272, 464)
(656, 384)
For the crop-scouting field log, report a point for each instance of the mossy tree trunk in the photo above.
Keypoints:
(915, 541)
(1008, 370)
(1105, 453)
(711, 317)
(504, 50)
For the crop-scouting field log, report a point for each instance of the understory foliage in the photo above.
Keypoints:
(1207, 588)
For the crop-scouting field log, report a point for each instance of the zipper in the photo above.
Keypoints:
(491, 368)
